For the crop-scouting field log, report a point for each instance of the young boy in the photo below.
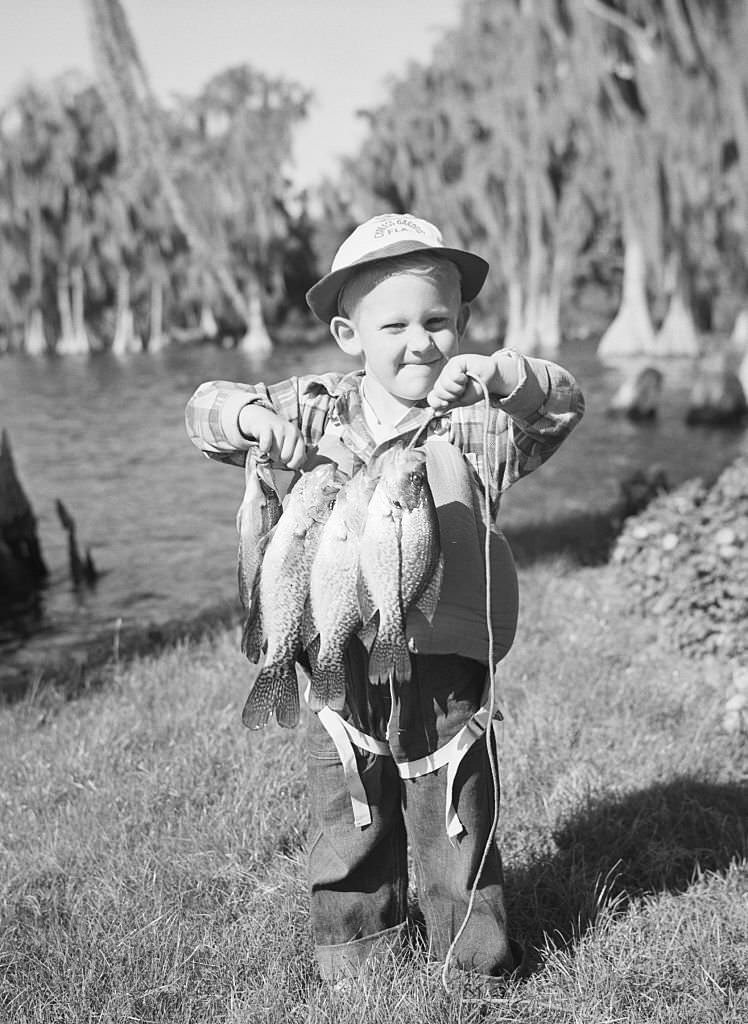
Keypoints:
(380, 775)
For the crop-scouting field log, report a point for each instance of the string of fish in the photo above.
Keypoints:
(490, 748)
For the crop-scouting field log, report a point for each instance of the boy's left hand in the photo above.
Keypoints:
(455, 386)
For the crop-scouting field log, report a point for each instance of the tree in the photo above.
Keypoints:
(31, 127)
(669, 104)
(246, 115)
(488, 139)
(238, 141)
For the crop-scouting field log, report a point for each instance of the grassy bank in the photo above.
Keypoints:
(153, 850)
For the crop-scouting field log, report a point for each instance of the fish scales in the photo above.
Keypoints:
(333, 591)
(283, 589)
(400, 561)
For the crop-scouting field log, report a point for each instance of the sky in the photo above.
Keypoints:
(343, 50)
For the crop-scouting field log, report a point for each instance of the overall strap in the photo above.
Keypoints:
(344, 736)
(451, 754)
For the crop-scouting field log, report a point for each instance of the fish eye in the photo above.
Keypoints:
(397, 504)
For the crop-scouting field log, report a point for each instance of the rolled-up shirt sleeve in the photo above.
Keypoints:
(212, 413)
(525, 428)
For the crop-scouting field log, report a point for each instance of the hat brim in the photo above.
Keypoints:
(322, 298)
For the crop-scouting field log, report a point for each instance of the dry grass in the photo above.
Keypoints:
(152, 851)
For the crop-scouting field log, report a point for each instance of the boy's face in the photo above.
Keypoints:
(406, 327)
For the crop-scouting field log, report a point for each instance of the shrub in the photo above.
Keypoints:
(685, 560)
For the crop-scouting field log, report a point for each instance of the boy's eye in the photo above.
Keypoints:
(438, 323)
(395, 326)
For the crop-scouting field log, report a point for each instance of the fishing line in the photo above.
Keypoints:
(491, 751)
(423, 427)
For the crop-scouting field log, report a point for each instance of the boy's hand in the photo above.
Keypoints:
(455, 386)
(275, 436)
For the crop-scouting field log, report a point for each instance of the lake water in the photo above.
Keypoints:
(107, 437)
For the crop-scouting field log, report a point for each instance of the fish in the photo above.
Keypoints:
(258, 514)
(400, 561)
(283, 588)
(333, 605)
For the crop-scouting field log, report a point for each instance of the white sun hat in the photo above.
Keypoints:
(381, 238)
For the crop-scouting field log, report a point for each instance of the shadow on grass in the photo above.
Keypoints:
(612, 852)
(586, 538)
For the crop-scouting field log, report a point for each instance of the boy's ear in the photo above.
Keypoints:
(344, 332)
(463, 318)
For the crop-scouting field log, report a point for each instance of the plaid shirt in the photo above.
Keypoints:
(524, 429)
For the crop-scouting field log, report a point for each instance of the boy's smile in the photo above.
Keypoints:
(406, 327)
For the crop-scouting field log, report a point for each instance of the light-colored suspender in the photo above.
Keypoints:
(344, 736)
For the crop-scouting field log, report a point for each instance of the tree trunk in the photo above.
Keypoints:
(79, 322)
(156, 338)
(549, 321)
(743, 373)
(73, 340)
(678, 335)
(65, 341)
(739, 336)
(35, 341)
(208, 324)
(124, 332)
(256, 341)
(631, 332)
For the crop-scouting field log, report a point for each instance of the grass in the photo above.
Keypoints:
(152, 851)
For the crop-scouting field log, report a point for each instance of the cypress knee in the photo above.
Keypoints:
(22, 566)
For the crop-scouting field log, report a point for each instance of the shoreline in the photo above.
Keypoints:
(585, 539)
(91, 664)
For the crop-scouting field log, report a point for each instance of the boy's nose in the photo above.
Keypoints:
(419, 339)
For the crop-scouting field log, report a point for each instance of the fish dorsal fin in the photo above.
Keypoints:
(280, 479)
(369, 613)
(253, 639)
(312, 651)
(309, 631)
(365, 601)
(265, 540)
(429, 599)
(367, 634)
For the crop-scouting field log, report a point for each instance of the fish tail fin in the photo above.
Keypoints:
(401, 663)
(328, 687)
(287, 709)
(380, 664)
(388, 657)
(276, 689)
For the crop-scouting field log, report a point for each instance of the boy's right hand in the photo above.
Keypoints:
(276, 437)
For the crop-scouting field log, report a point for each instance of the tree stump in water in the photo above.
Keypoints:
(22, 567)
(82, 570)
(639, 395)
(717, 396)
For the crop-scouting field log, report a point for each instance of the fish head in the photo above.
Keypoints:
(403, 478)
(261, 507)
(317, 491)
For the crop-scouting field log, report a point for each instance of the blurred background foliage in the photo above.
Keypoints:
(596, 151)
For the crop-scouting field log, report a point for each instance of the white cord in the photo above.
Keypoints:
(492, 759)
